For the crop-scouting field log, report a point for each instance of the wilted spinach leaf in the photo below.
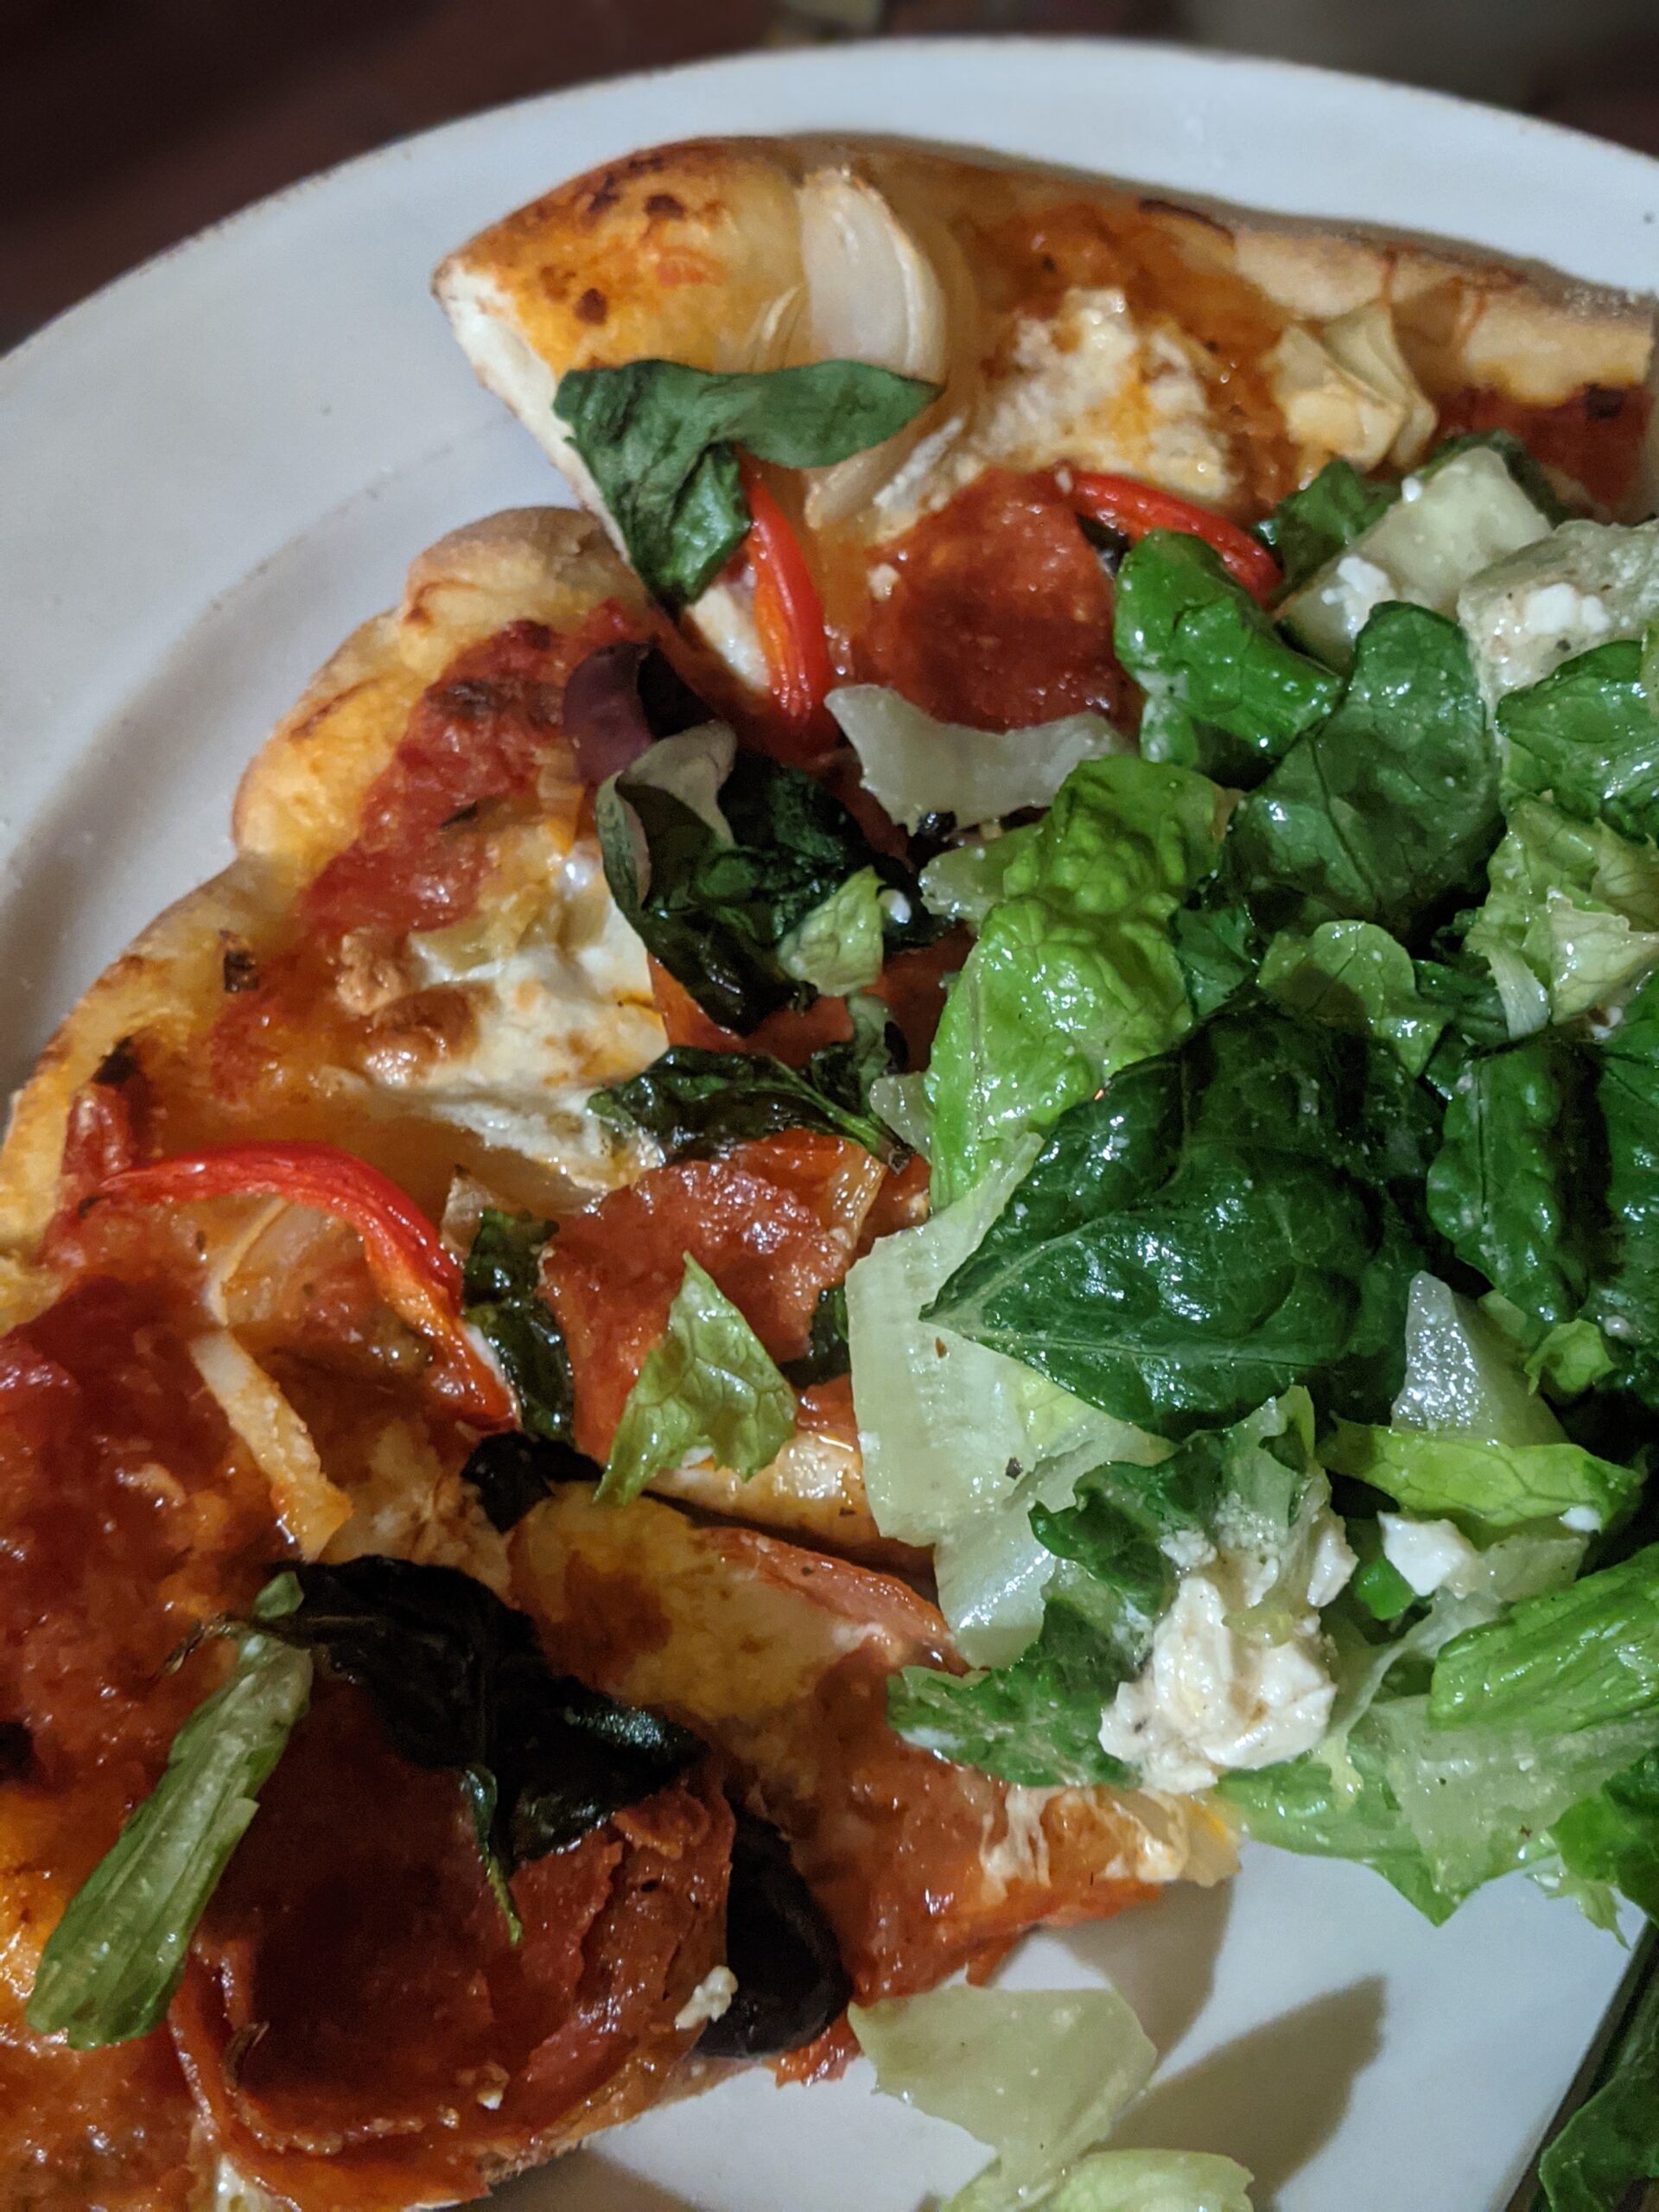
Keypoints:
(826, 1355)
(1216, 1226)
(499, 1285)
(460, 1683)
(697, 1104)
(660, 440)
(714, 910)
(1389, 807)
(513, 1473)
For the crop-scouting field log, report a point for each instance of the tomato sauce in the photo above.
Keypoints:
(127, 1525)
(473, 742)
(1001, 616)
(1595, 437)
(774, 1223)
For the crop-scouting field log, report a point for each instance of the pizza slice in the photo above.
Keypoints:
(1076, 350)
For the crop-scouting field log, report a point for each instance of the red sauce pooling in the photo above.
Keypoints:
(475, 738)
(1002, 615)
(1595, 437)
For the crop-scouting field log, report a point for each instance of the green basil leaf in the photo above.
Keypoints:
(1355, 976)
(1215, 1227)
(1314, 524)
(827, 1354)
(697, 1103)
(111, 1966)
(1570, 1659)
(1074, 974)
(1487, 1487)
(1588, 737)
(502, 1302)
(659, 440)
(708, 1385)
(1391, 805)
(1513, 1189)
(1224, 691)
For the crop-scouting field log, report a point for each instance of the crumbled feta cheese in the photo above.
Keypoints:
(883, 580)
(1578, 617)
(1585, 584)
(1429, 1554)
(710, 2000)
(1357, 589)
(1334, 1561)
(1411, 489)
(1210, 1698)
(895, 906)
(1582, 1520)
(1187, 1548)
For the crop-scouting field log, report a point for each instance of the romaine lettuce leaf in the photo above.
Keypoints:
(1512, 1187)
(1314, 524)
(660, 440)
(1613, 1836)
(1225, 692)
(1624, 1301)
(1484, 1488)
(1154, 2181)
(1574, 902)
(1570, 1660)
(1219, 947)
(1388, 808)
(1357, 976)
(1212, 1229)
(1588, 736)
(111, 1966)
(1480, 1800)
(1463, 1375)
(836, 946)
(964, 884)
(1040, 2076)
(1613, 2137)
(943, 1421)
(917, 766)
(708, 1385)
(1072, 976)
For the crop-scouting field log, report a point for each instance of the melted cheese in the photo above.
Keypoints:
(561, 1011)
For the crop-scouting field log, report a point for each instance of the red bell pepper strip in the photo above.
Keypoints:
(418, 1278)
(788, 612)
(1133, 509)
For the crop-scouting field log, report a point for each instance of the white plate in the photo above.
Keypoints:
(217, 465)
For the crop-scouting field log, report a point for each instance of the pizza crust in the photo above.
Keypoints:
(297, 805)
(703, 253)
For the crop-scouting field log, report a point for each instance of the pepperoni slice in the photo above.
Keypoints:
(357, 2023)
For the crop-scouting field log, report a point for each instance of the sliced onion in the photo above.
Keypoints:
(310, 1506)
(1363, 342)
(872, 295)
(618, 701)
(917, 766)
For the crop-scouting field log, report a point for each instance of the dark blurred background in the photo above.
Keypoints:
(127, 124)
